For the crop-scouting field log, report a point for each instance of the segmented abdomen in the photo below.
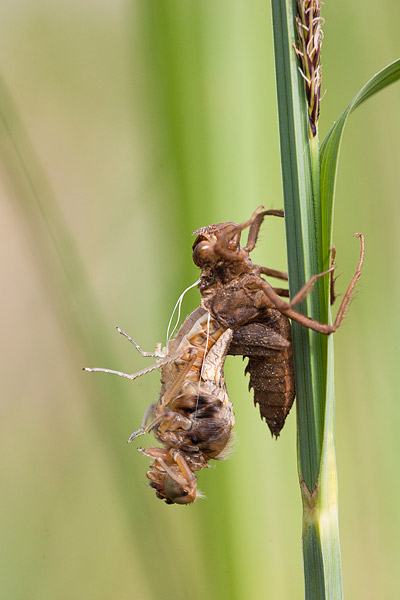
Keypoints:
(202, 336)
(267, 345)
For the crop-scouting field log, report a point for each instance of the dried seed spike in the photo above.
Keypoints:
(309, 24)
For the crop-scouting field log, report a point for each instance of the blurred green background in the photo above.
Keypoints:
(125, 126)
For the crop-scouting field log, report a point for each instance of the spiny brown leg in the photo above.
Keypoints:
(281, 292)
(221, 246)
(286, 307)
(333, 279)
(255, 227)
(307, 287)
(349, 291)
(273, 273)
(254, 223)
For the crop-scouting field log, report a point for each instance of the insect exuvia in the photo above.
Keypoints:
(242, 314)
(193, 417)
(237, 296)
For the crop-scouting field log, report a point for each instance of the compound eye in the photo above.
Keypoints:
(203, 253)
(177, 494)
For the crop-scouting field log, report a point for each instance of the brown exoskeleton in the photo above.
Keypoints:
(193, 418)
(237, 297)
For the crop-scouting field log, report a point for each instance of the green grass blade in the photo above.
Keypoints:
(75, 305)
(306, 256)
(326, 505)
(301, 232)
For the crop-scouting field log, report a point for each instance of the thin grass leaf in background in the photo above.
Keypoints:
(77, 309)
